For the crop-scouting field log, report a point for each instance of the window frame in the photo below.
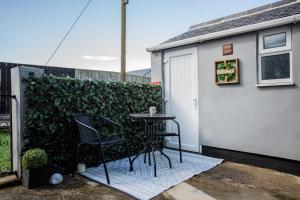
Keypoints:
(275, 81)
(275, 51)
(264, 34)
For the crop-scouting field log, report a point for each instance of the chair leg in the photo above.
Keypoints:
(162, 146)
(73, 174)
(75, 163)
(74, 167)
(105, 168)
(145, 155)
(180, 152)
(129, 156)
(149, 157)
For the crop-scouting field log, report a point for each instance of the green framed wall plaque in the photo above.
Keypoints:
(227, 72)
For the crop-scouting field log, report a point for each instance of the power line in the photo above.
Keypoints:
(68, 32)
(192, 8)
(201, 10)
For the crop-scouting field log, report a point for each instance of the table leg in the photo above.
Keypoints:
(148, 151)
(149, 158)
(140, 153)
(162, 153)
(153, 153)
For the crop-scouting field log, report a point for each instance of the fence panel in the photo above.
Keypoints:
(108, 76)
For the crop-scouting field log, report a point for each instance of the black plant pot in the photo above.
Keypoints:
(34, 177)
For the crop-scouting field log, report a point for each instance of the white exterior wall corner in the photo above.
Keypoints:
(156, 66)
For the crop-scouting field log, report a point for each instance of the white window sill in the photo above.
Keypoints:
(275, 84)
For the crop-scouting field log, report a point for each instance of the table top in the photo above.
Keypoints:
(156, 116)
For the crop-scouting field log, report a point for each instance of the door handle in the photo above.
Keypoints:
(195, 100)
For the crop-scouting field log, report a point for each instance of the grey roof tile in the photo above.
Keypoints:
(258, 9)
(260, 16)
(281, 3)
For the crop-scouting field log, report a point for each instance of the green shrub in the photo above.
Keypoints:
(52, 102)
(34, 158)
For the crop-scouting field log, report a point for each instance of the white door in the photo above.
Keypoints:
(181, 96)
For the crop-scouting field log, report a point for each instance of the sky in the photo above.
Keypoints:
(32, 29)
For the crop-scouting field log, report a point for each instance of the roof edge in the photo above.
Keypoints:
(226, 33)
(246, 13)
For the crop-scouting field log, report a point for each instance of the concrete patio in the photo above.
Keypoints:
(228, 181)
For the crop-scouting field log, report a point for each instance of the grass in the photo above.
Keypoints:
(4, 152)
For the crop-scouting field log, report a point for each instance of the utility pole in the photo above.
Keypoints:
(123, 40)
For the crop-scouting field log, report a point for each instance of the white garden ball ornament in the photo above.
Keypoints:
(56, 179)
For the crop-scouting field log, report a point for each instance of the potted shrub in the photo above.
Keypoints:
(34, 164)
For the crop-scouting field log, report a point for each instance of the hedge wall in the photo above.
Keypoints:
(52, 102)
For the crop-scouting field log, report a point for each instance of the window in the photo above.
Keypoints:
(276, 40)
(275, 67)
(275, 53)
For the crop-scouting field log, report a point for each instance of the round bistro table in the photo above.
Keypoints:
(151, 125)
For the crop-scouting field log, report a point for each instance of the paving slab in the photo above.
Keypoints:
(186, 191)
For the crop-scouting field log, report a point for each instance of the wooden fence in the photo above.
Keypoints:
(5, 87)
(108, 76)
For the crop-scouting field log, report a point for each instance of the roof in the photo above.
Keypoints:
(141, 72)
(257, 15)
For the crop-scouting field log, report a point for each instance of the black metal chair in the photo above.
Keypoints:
(90, 136)
(163, 134)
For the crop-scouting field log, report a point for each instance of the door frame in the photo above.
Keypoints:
(166, 60)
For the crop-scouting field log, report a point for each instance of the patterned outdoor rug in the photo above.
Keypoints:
(141, 183)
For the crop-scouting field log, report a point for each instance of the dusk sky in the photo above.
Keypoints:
(31, 29)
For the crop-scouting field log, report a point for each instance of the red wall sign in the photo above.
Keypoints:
(155, 83)
(227, 49)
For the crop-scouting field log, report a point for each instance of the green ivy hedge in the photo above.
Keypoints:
(52, 102)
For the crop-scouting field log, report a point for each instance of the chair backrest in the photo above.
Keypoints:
(87, 135)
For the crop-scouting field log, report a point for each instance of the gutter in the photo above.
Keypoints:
(226, 33)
